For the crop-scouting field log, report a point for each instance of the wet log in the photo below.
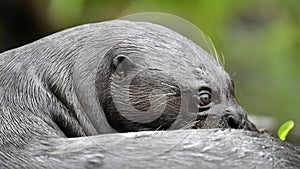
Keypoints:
(204, 148)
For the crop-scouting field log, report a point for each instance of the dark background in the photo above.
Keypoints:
(259, 39)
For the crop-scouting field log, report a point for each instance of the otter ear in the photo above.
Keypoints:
(121, 65)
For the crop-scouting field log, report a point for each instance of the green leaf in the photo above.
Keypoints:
(284, 129)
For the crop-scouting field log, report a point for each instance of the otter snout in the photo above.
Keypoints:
(236, 119)
(234, 122)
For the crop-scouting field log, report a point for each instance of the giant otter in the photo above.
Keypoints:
(114, 76)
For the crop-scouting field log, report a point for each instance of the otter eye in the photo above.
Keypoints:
(204, 99)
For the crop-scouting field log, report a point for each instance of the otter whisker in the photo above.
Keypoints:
(158, 128)
(169, 105)
(156, 99)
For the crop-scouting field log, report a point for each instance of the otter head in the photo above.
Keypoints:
(156, 79)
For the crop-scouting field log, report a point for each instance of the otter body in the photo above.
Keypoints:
(114, 76)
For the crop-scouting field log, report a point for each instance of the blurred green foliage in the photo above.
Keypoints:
(260, 40)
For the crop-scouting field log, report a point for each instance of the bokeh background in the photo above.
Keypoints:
(260, 40)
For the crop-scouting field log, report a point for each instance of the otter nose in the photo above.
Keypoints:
(234, 119)
(234, 122)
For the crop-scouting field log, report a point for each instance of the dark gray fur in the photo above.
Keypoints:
(59, 87)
